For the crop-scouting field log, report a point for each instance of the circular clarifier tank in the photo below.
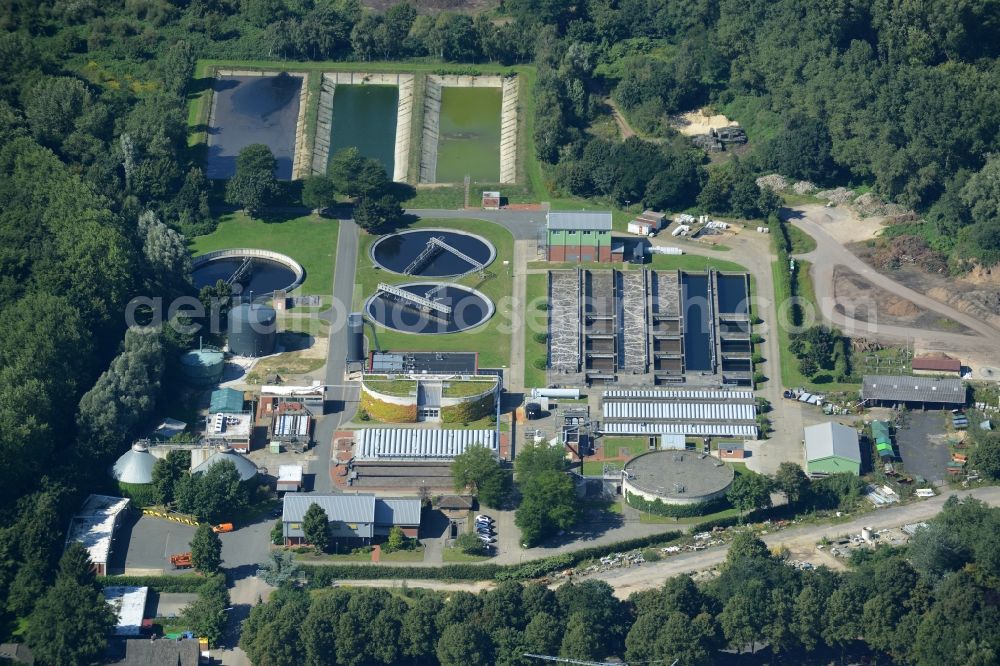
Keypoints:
(258, 271)
(432, 252)
(469, 308)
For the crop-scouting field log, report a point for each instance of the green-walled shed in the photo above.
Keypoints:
(832, 448)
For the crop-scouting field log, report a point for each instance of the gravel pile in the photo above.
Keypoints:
(803, 187)
(774, 182)
(838, 195)
(869, 204)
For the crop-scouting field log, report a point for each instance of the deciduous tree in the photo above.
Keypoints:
(254, 183)
(316, 527)
(206, 550)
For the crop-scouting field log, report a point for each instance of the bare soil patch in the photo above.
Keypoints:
(858, 298)
(693, 123)
(977, 295)
(842, 223)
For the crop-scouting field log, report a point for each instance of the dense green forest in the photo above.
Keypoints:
(99, 186)
(931, 603)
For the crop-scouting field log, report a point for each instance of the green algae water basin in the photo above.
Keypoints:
(365, 117)
(469, 135)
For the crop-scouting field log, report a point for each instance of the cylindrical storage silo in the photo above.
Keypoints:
(253, 330)
(355, 337)
(202, 367)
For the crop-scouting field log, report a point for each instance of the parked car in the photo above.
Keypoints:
(484, 517)
(222, 527)
(485, 530)
(488, 540)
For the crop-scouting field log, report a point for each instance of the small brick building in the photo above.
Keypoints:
(580, 236)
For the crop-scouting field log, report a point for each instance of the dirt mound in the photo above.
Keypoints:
(774, 182)
(803, 187)
(838, 195)
(697, 122)
(900, 307)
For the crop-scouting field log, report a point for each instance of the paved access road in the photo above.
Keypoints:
(650, 576)
(830, 253)
(342, 396)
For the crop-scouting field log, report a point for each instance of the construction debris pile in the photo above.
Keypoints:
(774, 182)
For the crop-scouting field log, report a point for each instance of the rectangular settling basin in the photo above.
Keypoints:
(253, 109)
(732, 294)
(365, 117)
(469, 135)
(697, 341)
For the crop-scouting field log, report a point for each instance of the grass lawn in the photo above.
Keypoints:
(491, 340)
(692, 520)
(325, 558)
(415, 555)
(613, 446)
(596, 467)
(536, 293)
(310, 240)
(790, 375)
(397, 387)
(456, 555)
(802, 243)
(288, 363)
(663, 262)
(463, 389)
(691, 262)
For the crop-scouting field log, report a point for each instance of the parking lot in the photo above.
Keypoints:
(923, 446)
(144, 544)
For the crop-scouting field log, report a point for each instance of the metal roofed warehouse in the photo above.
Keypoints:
(701, 413)
(907, 389)
(832, 448)
(419, 443)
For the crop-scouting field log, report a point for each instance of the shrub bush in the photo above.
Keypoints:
(180, 583)
(325, 575)
(467, 412)
(658, 507)
(388, 412)
(141, 494)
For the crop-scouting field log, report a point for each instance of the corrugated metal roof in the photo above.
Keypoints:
(907, 388)
(696, 429)
(343, 508)
(398, 511)
(419, 443)
(583, 220)
(832, 439)
(227, 401)
(680, 411)
(647, 394)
